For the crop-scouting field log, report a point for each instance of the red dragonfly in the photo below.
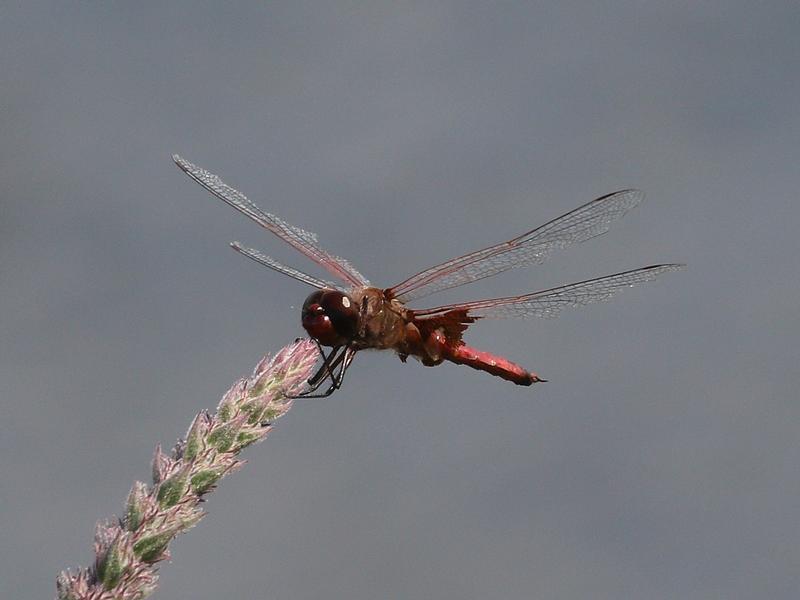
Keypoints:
(351, 315)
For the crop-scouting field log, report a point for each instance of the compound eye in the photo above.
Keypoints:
(342, 312)
(312, 306)
(330, 317)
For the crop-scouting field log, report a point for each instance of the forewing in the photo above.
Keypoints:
(304, 241)
(273, 264)
(549, 303)
(585, 222)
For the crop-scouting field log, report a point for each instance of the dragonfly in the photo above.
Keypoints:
(349, 315)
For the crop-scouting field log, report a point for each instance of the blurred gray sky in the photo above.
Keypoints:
(661, 459)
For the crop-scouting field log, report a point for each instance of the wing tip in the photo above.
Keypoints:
(245, 250)
(669, 266)
(183, 164)
(634, 192)
(635, 197)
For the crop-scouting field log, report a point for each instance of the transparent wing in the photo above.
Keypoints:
(549, 303)
(273, 264)
(587, 221)
(304, 241)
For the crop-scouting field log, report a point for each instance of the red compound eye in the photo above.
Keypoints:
(330, 317)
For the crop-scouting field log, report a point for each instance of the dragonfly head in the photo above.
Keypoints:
(330, 317)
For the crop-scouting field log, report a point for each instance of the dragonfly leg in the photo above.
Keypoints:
(326, 370)
(329, 362)
(336, 378)
(333, 368)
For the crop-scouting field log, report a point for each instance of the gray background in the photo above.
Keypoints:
(661, 459)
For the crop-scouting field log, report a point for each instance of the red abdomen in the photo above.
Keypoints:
(496, 365)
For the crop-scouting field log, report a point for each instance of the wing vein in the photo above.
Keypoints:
(273, 264)
(590, 220)
(304, 241)
(550, 303)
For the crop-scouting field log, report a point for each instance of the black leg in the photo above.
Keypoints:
(329, 363)
(333, 369)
